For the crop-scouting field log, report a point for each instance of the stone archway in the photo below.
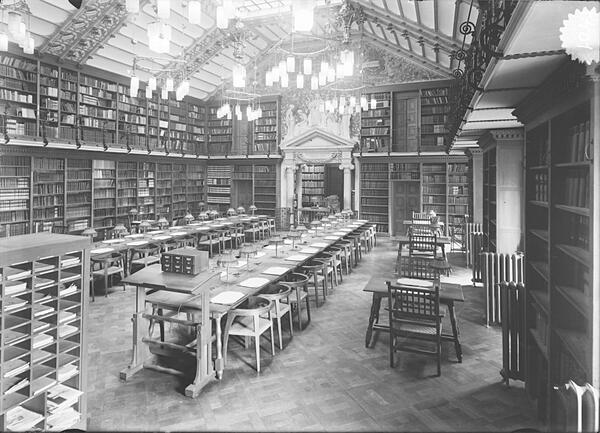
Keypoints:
(315, 146)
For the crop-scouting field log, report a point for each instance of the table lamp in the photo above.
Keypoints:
(315, 225)
(294, 234)
(301, 229)
(241, 210)
(248, 250)
(253, 209)
(226, 260)
(276, 239)
(201, 206)
(144, 225)
(214, 213)
(163, 223)
(325, 223)
(120, 230)
(89, 232)
(188, 217)
(203, 216)
(231, 211)
(132, 214)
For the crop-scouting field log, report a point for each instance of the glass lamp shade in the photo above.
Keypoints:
(120, 229)
(303, 13)
(163, 9)
(188, 217)
(253, 209)
(89, 232)
(14, 22)
(241, 210)
(314, 82)
(307, 66)
(148, 92)
(133, 212)
(144, 225)
(152, 83)
(214, 213)
(162, 221)
(231, 211)
(290, 64)
(315, 223)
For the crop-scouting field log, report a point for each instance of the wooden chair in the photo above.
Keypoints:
(253, 229)
(248, 321)
(299, 285)
(237, 235)
(279, 294)
(208, 241)
(316, 272)
(416, 267)
(420, 224)
(414, 314)
(144, 256)
(345, 254)
(422, 245)
(105, 267)
(329, 270)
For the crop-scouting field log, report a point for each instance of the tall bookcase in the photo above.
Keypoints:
(265, 188)
(405, 194)
(126, 189)
(266, 129)
(49, 102)
(105, 202)
(180, 204)
(43, 348)
(145, 190)
(15, 183)
(313, 183)
(218, 181)
(97, 109)
(68, 128)
(18, 95)
(78, 209)
(220, 133)
(49, 193)
(561, 246)
(196, 181)
(197, 127)
(164, 190)
(502, 189)
(376, 123)
(434, 113)
(178, 136)
(133, 118)
(374, 192)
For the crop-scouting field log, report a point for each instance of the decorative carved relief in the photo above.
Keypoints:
(317, 159)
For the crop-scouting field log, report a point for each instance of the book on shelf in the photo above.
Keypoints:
(15, 367)
(20, 419)
(41, 283)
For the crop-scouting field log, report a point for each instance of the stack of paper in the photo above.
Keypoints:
(332, 238)
(113, 241)
(413, 282)
(21, 419)
(135, 236)
(14, 367)
(227, 297)
(101, 250)
(14, 287)
(63, 419)
(296, 258)
(319, 245)
(13, 384)
(65, 276)
(254, 282)
(11, 336)
(39, 355)
(13, 303)
(40, 310)
(42, 267)
(39, 326)
(68, 290)
(155, 232)
(275, 270)
(136, 243)
(309, 250)
(42, 384)
(40, 297)
(13, 274)
(65, 316)
(69, 261)
(66, 372)
(66, 330)
(60, 397)
(41, 340)
(41, 283)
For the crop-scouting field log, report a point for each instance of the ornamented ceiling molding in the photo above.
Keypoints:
(87, 30)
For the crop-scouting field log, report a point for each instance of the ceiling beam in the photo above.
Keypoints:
(409, 55)
(400, 23)
(435, 17)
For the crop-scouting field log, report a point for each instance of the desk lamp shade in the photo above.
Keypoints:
(120, 229)
(201, 205)
(248, 250)
(89, 232)
(203, 216)
(226, 260)
(162, 221)
(315, 223)
(144, 225)
(231, 211)
(188, 217)
(241, 210)
(133, 211)
(214, 213)
(253, 209)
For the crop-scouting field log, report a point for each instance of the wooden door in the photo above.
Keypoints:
(405, 133)
(406, 198)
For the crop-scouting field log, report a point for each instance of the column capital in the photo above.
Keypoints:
(346, 165)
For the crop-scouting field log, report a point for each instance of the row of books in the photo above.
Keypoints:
(577, 189)
(14, 182)
(374, 201)
(10, 205)
(576, 231)
(435, 178)
(458, 200)
(541, 187)
(15, 216)
(579, 141)
(374, 185)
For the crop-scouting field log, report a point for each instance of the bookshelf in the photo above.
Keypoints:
(313, 184)
(105, 201)
(164, 139)
(178, 136)
(133, 118)
(146, 190)
(374, 190)
(405, 123)
(242, 185)
(97, 109)
(266, 130)
(18, 95)
(180, 204)
(503, 184)
(265, 189)
(153, 123)
(68, 104)
(43, 350)
(375, 123)
(220, 138)
(218, 187)
(195, 188)
(434, 189)
(561, 236)
(15, 181)
(164, 190)
(459, 201)
(78, 209)
(49, 194)
(405, 191)
(197, 128)
(49, 102)
(126, 190)
(434, 113)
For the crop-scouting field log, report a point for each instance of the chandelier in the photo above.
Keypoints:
(167, 82)
(18, 27)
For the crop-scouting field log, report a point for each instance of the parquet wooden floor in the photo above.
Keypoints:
(324, 379)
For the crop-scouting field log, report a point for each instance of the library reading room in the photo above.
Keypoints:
(300, 215)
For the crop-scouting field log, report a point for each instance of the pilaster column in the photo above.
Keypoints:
(477, 164)
(347, 167)
(289, 176)
(299, 186)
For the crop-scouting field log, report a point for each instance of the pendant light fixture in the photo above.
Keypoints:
(194, 12)
(300, 81)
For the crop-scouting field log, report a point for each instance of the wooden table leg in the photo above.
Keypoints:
(373, 317)
(219, 364)
(140, 351)
(457, 347)
(204, 368)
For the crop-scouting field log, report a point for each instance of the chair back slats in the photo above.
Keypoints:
(422, 244)
(411, 304)
(416, 267)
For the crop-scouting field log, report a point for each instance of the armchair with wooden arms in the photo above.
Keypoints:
(414, 314)
(105, 267)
